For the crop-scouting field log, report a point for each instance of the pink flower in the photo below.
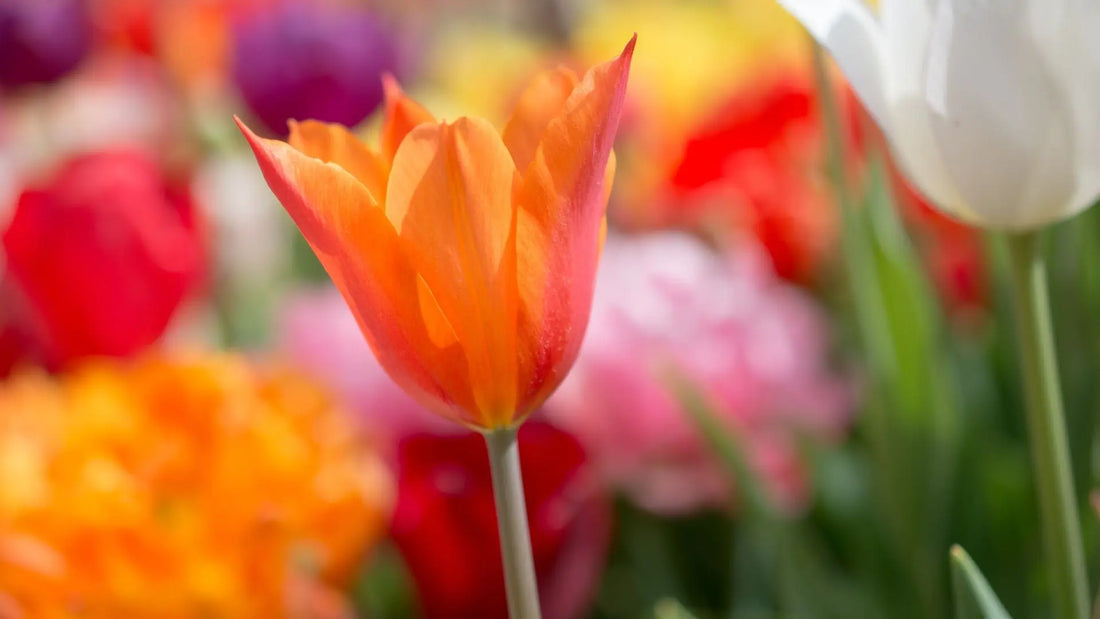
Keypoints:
(317, 331)
(753, 344)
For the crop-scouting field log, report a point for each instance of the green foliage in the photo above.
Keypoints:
(383, 589)
(938, 455)
(974, 599)
(671, 609)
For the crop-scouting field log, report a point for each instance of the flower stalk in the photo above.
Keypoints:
(515, 538)
(1047, 429)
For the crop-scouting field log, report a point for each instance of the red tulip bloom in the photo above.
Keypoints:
(99, 258)
(446, 529)
(755, 168)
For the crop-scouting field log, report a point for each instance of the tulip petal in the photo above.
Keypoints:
(325, 201)
(562, 205)
(333, 143)
(906, 26)
(440, 330)
(541, 101)
(1080, 64)
(609, 180)
(401, 116)
(450, 200)
(999, 117)
(361, 251)
(848, 30)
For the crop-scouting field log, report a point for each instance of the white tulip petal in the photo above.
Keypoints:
(1000, 121)
(848, 30)
(992, 107)
(916, 150)
(1047, 19)
(906, 25)
(1084, 76)
(1065, 33)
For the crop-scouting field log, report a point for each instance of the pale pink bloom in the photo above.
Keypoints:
(756, 347)
(112, 101)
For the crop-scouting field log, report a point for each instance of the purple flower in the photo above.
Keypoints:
(754, 345)
(41, 40)
(312, 61)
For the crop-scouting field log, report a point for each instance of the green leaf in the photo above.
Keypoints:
(974, 598)
(671, 609)
(383, 588)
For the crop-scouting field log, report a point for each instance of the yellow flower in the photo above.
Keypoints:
(696, 52)
(455, 67)
(697, 55)
(179, 488)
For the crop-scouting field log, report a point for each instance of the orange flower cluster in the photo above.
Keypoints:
(195, 487)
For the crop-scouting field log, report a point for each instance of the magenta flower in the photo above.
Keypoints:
(42, 40)
(304, 60)
(753, 344)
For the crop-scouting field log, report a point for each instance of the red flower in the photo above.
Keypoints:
(755, 167)
(445, 524)
(99, 259)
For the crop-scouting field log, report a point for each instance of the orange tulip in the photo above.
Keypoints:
(467, 255)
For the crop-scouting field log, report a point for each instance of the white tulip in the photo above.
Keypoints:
(992, 107)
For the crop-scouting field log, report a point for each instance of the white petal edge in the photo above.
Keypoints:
(1084, 75)
(852, 35)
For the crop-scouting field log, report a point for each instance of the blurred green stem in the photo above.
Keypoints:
(888, 442)
(515, 538)
(1047, 428)
(834, 136)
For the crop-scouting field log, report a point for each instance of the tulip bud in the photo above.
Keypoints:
(992, 108)
(466, 254)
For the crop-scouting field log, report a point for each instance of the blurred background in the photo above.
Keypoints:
(797, 389)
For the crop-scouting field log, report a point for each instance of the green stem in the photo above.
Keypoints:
(887, 440)
(1047, 429)
(834, 134)
(515, 538)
